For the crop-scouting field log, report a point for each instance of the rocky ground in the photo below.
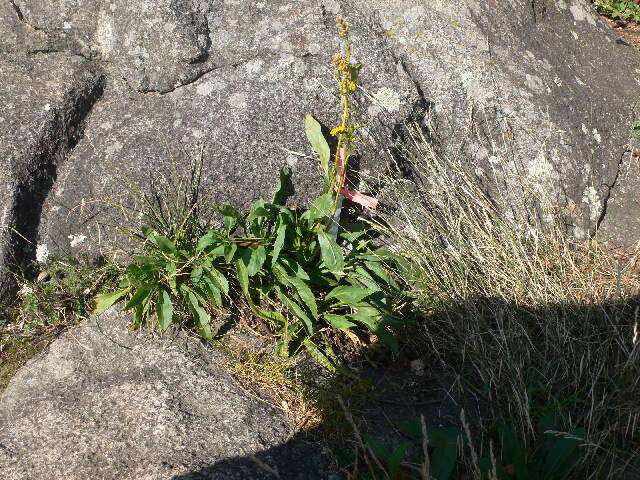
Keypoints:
(102, 98)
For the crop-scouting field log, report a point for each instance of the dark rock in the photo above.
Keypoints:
(45, 99)
(105, 403)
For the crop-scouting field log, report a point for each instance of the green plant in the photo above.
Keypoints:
(291, 271)
(445, 453)
(63, 289)
(528, 318)
(56, 299)
(548, 456)
(306, 273)
(622, 9)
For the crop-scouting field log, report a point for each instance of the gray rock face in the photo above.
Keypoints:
(248, 113)
(45, 100)
(17, 36)
(105, 403)
(551, 91)
(153, 44)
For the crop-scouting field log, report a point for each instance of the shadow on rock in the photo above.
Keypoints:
(298, 459)
(417, 384)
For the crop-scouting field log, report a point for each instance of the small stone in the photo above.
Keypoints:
(43, 276)
(417, 367)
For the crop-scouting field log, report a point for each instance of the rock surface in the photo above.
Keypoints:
(551, 89)
(274, 66)
(45, 100)
(106, 403)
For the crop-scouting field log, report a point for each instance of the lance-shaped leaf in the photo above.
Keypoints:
(318, 142)
(106, 300)
(331, 252)
(164, 310)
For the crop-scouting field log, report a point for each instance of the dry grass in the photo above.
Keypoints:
(533, 321)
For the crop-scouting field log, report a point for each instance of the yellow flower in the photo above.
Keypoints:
(341, 63)
(337, 130)
(343, 27)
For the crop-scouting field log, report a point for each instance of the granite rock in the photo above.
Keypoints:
(104, 402)
(45, 100)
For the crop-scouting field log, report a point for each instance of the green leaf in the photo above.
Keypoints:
(164, 310)
(296, 309)
(213, 292)
(138, 297)
(171, 269)
(365, 278)
(217, 251)
(243, 280)
(229, 252)
(388, 338)
(349, 295)
(205, 241)
(106, 300)
(319, 356)
(258, 211)
(444, 456)
(232, 217)
(220, 279)
(243, 277)
(143, 260)
(202, 318)
(278, 197)
(318, 142)
(379, 449)
(338, 321)
(305, 293)
(381, 273)
(562, 454)
(394, 461)
(331, 252)
(293, 268)
(320, 208)
(164, 244)
(279, 243)
(372, 320)
(301, 288)
(254, 258)
(196, 274)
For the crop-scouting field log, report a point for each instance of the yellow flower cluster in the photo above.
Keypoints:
(344, 72)
(343, 27)
(341, 63)
(337, 130)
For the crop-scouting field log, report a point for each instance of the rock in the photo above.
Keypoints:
(154, 44)
(45, 100)
(106, 403)
(551, 92)
(248, 113)
(17, 36)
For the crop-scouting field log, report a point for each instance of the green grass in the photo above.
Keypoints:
(538, 327)
(60, 295)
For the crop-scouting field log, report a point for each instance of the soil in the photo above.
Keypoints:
(629, 32)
